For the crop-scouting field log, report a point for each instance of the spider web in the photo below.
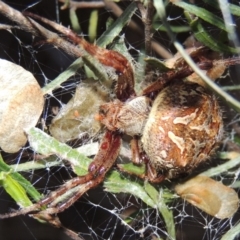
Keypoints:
(98, 214)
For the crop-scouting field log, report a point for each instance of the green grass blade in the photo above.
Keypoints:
(115, 183)
(232, 233)
(167, 214)
(31, 191)
(115, 29)
(202, 36)
(14, 189)
(202, 13)
(234, 9)
(46, 145)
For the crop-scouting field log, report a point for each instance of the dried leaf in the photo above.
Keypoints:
(210, 196)
(21, 104)
(77, 117)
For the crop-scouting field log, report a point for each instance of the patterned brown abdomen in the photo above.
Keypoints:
(183, 128)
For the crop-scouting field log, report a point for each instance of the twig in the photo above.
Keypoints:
(147, 15)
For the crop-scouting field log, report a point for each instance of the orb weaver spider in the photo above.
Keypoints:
(175, 124)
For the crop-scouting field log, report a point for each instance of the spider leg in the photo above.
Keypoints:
(103, 161)
(161, 82)
(60, 207)
(136, 155)
(138, 158)
(203, 63)
(125, 82)
(49, 198)
(152, 175)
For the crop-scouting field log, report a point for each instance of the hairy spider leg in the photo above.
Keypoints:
(125, 83)
(161, 82)
(102, 162)
(204, 64)
(136, 156)
(139, 157)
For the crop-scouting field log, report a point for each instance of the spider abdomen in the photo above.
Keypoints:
(183, 128)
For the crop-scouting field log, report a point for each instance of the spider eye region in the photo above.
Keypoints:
(108, 114)
(103, 111)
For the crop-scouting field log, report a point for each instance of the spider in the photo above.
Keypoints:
(175, 124)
